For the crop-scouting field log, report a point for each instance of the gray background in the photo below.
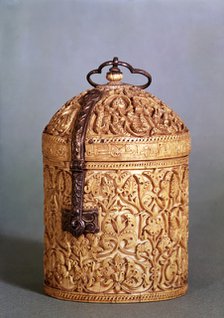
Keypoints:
(46, 48)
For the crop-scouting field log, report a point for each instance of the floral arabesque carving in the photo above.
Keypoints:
(142, 245)
(132, 112)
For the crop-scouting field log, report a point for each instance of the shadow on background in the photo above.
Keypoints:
(206, 239)
(21, 263)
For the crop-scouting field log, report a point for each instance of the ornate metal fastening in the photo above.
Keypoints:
(79, 221)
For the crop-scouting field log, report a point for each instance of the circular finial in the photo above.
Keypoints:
(114, 77)
(114, 74)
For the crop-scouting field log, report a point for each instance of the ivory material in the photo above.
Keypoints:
(137, 176)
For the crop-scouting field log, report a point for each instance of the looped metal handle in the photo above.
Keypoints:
(115, 70)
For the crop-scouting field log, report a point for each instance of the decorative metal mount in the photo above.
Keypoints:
(79, 221)
(115, 70)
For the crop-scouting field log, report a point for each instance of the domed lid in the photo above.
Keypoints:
(122, 122)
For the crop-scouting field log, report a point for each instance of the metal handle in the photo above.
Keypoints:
(115, 70)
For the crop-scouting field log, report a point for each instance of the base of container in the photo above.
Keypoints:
(115, 298)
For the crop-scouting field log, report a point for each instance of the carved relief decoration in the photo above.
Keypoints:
(61, 123)
(126, 122)
(136, 176)
(129, 111)
(141, 149)
(142, 243)
(122, 111)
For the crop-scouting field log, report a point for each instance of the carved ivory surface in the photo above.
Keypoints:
(136, 152)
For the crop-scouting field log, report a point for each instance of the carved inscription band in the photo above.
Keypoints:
(56, 149)
(124, 151)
